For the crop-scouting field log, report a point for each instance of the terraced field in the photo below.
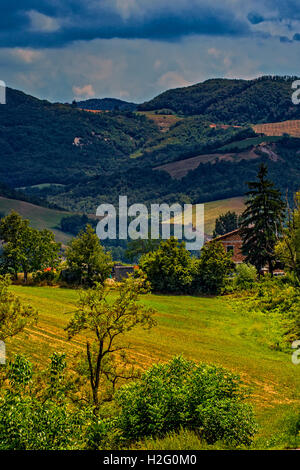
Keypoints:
(279, 128)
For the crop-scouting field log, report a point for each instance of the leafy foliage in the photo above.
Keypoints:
(212, 268)
(87, 261)
(108, 322)
(14, 316)
(183, 394)
(288, 247)
(26, 249)
(226, 223)
(37, 421)
(246, 275)
(169, 268)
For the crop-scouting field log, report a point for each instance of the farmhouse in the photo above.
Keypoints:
(232, 242)
(122, 272)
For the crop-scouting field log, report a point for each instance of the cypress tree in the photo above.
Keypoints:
(261, 222)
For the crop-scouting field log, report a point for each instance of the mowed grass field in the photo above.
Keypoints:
(206, 330)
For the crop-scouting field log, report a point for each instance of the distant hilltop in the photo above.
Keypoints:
(106, 104)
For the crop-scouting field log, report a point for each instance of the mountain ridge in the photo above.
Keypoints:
(75, 159)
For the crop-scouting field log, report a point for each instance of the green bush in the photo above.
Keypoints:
(212, 268)
(246, 276)
(182, 394)
(31, 419)
(49, 276)
(278, 300)
(169, 268)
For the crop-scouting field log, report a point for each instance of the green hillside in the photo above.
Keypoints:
(53, 143)
(106, 104)
(266, 99)
(40, 217)
(76, 160)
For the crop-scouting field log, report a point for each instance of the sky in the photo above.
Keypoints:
(62, 50)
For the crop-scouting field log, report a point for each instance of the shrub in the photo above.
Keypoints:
(246, 276)
(33, 421)
(212, 269)
(169, 268)
(182, 394)
(49, 276)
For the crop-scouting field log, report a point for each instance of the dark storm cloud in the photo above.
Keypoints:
(49, 23)
(53, 23)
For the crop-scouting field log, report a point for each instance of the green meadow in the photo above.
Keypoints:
(204, 329)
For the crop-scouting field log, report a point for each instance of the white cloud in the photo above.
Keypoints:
(172, 80)
(86, 91)
(42, 23)
(214, 52)
(111, 67)
(26, 55)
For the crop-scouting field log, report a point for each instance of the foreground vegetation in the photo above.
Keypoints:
(206, 330)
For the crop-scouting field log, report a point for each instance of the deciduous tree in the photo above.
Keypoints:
(87, 259)
(107, 321)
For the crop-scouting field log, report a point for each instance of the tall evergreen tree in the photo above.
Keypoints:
(261, 222)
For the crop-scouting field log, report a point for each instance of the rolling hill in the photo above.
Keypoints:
(204, 142)
(208, 330)
(43, 142)
(39, 217)
(266, 99)
(106, 104)
(179, 169)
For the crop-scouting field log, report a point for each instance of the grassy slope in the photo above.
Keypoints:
(40, 217)
(215, 208)
(203, 329)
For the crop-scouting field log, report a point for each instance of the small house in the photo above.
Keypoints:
(120, 272)
(232, 243)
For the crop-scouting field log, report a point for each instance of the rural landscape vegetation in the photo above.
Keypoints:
(191, 350)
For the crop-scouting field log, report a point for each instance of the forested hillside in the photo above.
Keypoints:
(267, 99)
(106, 104)
(62, 155)
(42, 142)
